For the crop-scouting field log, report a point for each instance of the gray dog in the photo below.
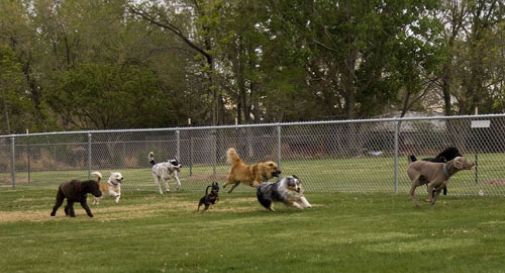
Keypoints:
(435, 175)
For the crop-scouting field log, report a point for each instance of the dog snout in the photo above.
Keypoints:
(98, 194)
(276, 173)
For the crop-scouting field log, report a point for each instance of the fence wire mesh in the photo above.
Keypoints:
(330, 156)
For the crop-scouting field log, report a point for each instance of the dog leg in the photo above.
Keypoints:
(200, 203)
(305, 202)
(435, 196)
(413, 192)
(116, 194)
(165, 183)
(96, 200)
(295, 204)
(430, 193)
(59, 200)
(437, 192)
(233, 187)
(158, 182)
(85, 206)
(178, 182)
(69, 209)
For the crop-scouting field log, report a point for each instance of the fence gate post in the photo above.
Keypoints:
(279, 143)
(178, 141)
(89, 155)
(13, 161)
(396, 154)
(214, 150)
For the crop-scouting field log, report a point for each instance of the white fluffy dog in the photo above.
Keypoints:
(165, 170)
(288, 190)
(112, 187)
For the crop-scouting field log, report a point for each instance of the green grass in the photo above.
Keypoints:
(364, 174)
(343, 232)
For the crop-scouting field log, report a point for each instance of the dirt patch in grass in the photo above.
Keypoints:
(206, 178)
(500, 182)
(150, 207)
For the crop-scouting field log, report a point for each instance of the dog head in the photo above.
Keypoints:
(293, 183)
(176, 165)
(115, 178)
(462, 163)
(214, 188)
(91, 187)
(269, 169)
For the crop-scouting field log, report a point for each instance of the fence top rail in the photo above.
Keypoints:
(237, 126)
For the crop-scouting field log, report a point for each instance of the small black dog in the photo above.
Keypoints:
(444, 156)
(77, 191)
(209, 198)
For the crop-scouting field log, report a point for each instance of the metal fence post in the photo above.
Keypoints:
(190, 152)
(213, 150)
(178, 141)
(28, 158)
(279, 143)
(13, 161)
(89, 155)
(396, 154)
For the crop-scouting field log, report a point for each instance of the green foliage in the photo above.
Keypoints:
(257, 61)
(15, 104)
(108, 96)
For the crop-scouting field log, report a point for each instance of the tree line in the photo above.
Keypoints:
(106, 64)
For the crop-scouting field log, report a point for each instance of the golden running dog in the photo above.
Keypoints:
(250, 174)
(112, 187)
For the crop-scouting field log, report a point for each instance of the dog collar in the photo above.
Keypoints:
(446, 170)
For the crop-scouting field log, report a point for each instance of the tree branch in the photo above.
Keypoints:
(170, 27)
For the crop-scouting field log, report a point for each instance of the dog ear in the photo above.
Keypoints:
(296, 177)
(459, 162)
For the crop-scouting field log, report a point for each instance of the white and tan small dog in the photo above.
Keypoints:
(112, 187)
(165, 170)
(288, 190)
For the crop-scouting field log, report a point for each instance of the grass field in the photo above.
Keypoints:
(343, 232)
(362, 174)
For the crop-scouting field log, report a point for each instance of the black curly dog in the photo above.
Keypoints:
(444, 156)
(76, 191)
(209, 198)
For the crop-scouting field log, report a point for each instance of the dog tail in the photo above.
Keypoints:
(232, 156)
(98, 176)
(412, 158)
(150, 157)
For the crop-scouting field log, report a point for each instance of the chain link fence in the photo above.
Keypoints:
(330, 156)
